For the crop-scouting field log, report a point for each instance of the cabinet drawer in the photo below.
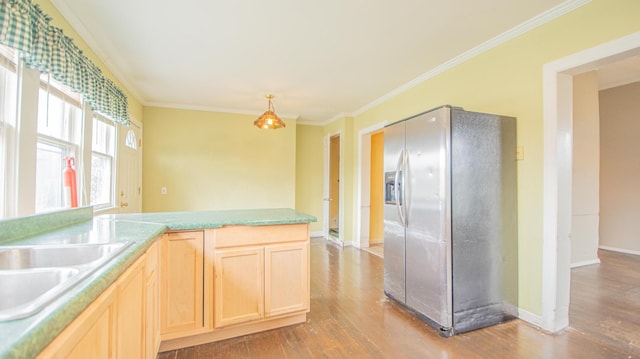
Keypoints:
(235, 236)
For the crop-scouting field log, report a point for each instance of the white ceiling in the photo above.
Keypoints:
(320, 59)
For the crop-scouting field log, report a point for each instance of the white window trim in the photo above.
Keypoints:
(114, 164)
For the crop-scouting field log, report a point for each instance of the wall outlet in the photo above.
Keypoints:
(163, 190)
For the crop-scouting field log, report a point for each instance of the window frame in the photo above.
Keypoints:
(72, 138)
(8, 118)
(114, 157)
(22, 148)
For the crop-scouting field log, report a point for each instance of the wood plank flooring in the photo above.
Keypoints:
(351, 318)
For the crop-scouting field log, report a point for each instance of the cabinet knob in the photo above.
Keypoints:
(124, 204)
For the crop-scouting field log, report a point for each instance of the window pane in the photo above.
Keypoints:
(103, 137)
(57, 118)
(130, 141)
(49, 167)
(102, 162)
(101, 175)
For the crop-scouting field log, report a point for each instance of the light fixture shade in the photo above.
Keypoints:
(269, 119)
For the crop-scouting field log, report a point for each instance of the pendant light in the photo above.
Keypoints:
(269, 119)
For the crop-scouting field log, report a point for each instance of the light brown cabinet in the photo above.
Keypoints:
(239, 285)
(90, 335)
(258, 280)
(185, 293)
(286, 278)
(111, 327)
(254, 282)
(130, 341)
(152, 301)
(257, 277)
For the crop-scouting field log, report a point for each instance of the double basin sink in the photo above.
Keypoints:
(31, 277)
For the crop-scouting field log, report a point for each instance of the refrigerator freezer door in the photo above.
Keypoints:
(394, 231)
(428, 240)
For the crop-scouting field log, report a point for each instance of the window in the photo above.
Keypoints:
(59, 137)
(130, 141)
(103, 162)
(8, 95)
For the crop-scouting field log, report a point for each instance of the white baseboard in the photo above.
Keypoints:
(621, 250)
(338, 242)
(316, 234)
(585, 263)
(530, 318)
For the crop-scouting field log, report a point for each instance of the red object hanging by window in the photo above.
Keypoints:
(69, 183)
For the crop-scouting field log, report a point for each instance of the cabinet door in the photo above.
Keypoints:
(238, 291)
(97, 342)
(130, 312)
(91, 335)
(181, 289)
(286, 278)
(152, 301)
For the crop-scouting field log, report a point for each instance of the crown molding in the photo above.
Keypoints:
(516, 31)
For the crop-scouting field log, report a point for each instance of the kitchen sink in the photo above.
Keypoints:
(26, 291)
(31, 277)
(63, 255)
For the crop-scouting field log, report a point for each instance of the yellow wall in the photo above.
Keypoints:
(135, 107)
(505, 80)
(211, 161)
(309, 168)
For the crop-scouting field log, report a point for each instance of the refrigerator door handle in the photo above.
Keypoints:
(406, 187)
(398, 192)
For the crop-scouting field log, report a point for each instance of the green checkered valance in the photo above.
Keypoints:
(25, 27)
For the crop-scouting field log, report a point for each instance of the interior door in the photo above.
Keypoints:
(129, 194)
(428, 269)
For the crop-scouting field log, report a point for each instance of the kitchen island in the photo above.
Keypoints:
(215, 249)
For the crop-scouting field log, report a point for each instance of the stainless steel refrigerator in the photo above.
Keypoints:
(450, 242)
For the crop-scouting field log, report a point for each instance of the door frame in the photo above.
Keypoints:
(326, 195)
(364, 180)
(557, 172)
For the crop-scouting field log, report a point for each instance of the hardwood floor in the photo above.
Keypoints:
(351, 318)
(605, 301)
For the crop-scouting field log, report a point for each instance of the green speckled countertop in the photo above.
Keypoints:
(25, 338)
(217, 219)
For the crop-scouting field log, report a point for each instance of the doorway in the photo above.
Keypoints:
(376, 200)
(370, 215)
(129, 192)
(557, 179)
(334, 186)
